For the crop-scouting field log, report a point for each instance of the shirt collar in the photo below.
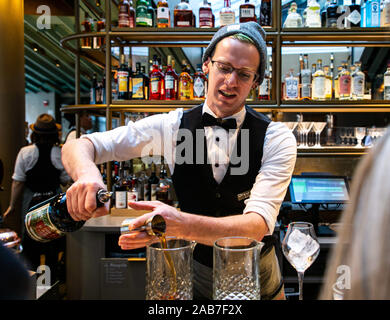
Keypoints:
(239, 116)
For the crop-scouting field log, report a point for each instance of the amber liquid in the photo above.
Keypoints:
(169, 261)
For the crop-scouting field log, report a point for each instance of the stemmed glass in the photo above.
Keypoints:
(318, 127)
(304, 127)
(360, 132)
(291, 125)
(301, 248)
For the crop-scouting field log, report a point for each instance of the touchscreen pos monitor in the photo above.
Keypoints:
(311, 189)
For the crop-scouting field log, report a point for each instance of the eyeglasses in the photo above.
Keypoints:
(227, 69)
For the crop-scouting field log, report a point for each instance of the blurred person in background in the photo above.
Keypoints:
(85, 124)
(37, 176)
(359, 268)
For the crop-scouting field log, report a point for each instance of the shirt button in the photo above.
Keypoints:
(217, 139)
(216, 165)
(218, 195)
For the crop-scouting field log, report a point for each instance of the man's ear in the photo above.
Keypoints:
(205, 66)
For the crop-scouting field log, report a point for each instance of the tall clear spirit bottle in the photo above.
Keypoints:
(318, 83)
(294, 19)
(345, 83)
(358, 83)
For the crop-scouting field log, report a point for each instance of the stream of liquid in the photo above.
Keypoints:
(169, 261)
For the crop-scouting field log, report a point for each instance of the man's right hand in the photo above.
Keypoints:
(81, 200)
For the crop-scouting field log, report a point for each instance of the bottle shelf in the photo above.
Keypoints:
(331, 151)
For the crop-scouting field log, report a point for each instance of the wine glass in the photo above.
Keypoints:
(318, 127)
(291, 125)
(360, 132)
(304, 127)
(301, 248)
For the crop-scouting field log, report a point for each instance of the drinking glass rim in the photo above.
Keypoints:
(216, 245)
(308, 224)
(191, 243)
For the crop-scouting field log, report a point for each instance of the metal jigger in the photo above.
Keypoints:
(154, 226)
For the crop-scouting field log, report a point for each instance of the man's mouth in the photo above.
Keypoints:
(226, 94)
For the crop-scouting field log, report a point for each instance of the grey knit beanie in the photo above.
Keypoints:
(252, 30)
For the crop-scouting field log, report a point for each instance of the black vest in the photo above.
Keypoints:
(195, 186)
(43, 177)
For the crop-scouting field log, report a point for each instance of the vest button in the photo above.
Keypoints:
(216, 165)
(217, 139)
(218, 195)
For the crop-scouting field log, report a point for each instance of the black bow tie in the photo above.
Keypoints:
(208, 120)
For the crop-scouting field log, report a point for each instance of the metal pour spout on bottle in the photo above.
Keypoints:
(154, 226)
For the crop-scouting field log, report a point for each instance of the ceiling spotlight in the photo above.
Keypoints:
(98, 4)
(57, 63)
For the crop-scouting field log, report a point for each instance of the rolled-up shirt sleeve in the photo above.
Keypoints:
(270, 187)
(20, 170)
(150, 135)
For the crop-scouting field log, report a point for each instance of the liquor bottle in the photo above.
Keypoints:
(331, 70)
(291, 86)
(163, 17)
(138, 83)
(146, 83)
(385, 17)
(86, 42)
(200, 84)
(183, 15)
(324, 12)
(131, 14)
(318, 83)
(386, 83)
(170, 81)
(313, 17)
(132, 192)
(123, 79)
(373, 14)
(353, 15)
(328, 83)
(205, 15)
(336, 83)
(332, 15)
(344, 82)
(265, 17)
(124, 14)
(120, 189)
(226, 15)
(156, 84)
(142, 16)
(99, 92)
(98, 26)
(114, 84)
(50, 219)
(358, 83)
(185, 83)
(363, 13)
(162, 190)
(265, 87)
(142, 180)
(92, 95)
(151, 15)
(305, 79)
(294, 19)
(152, 184)
(247, 12)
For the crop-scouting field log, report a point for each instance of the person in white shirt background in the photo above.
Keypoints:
(215, 202)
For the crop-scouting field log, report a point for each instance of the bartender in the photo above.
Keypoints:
(230, 165)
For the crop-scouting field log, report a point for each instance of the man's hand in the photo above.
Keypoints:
(173, 218)
(81, 199)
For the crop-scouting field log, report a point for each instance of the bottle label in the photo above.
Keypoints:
(122, 81)
(313, 18)
(328, 88)
(120, 200)
(386, 81)
(292, 88)
(354, 17)
(247, 13)
(183, 23)
(358, 86)
(185, 89)
(162, 15)
(345, 85)
(155, 84)
(205, 18)
(386, 10)
(169, 82)
(138, 88)
(123, 19)
(131, 196)
(39, 225)
(375, 14)
(199, 88)
(153, 192)
(319, 88)
(226, 18)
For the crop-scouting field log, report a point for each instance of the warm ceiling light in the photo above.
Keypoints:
(98, 4)
(57, 63)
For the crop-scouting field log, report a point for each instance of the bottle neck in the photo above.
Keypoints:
(227, 4)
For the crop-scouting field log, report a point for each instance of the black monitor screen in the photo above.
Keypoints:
(318, 189)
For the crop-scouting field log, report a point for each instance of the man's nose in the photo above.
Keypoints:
(231, 79)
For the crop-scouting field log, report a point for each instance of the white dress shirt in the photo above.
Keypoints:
(158, 133)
